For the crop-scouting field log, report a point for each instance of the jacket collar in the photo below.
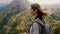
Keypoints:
(40, 21)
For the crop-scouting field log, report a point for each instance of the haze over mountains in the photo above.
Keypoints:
(2, 6)
(17, 6)
(10, 16)
(12, 9)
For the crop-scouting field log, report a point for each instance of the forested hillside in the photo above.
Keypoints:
(16, 19)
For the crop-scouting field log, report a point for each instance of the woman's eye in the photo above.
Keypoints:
(30, 9)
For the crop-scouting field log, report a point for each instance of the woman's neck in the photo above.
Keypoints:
(41, 18)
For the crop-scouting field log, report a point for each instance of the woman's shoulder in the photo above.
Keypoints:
(35, 24)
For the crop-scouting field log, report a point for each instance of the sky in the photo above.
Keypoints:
(5, 1)
(45, 1)
(35, 1)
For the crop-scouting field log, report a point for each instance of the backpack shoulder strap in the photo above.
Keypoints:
(39, 23)
(42, 30)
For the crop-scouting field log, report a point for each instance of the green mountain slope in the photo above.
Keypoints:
(15, 19)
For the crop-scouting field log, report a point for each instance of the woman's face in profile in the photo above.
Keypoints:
(32, 12)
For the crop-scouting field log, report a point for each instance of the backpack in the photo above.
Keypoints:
(46, 29)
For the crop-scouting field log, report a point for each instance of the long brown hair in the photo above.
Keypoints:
(40, 13)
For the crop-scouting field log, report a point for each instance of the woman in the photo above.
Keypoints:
(39, 26)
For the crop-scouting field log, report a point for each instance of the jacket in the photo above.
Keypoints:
(37, 29)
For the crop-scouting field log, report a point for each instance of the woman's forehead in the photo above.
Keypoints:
(29, 7)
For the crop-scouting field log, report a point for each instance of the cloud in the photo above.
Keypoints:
(45, 1)
(5, 1)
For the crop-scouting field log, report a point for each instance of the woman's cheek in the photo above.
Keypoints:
(33, 13)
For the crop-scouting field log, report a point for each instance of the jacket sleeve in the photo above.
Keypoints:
(37, 28)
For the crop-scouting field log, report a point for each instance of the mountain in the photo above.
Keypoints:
(55, 10)
(18, 3)
(13, 9)
(16, 6)
(2, 6)
(15, 17)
